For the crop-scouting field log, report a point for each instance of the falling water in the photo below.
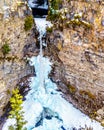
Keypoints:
(44, 107)
(41, 24)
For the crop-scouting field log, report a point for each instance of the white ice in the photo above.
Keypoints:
(33, 4)
(42, 24)
(37, 99)
(45, 95)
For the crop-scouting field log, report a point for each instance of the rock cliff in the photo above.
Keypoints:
(76, 47)
(13, 67)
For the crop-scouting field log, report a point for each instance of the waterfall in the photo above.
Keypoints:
(41, 25)
(44, 107)
(41, 33)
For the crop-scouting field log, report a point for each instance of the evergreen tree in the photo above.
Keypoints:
(16, 111)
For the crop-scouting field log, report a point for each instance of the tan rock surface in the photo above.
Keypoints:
(81, 55)
(12, 66)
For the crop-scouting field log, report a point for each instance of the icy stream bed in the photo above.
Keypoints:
(47, 110)
(44, 107)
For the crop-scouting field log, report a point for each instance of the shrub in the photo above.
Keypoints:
(72, 89)
(49, 29)
(16, 111)
(54, 9)
(5, 49)
(88, 94)
(11, 128)
(28, 23)
(55, 4)
(53, 14)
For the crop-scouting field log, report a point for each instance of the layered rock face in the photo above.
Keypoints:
(79, 39)
(13, 66)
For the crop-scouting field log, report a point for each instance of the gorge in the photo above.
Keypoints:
(47, 100)
(43, 102)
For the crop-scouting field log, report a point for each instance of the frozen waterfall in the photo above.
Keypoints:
(44, 107)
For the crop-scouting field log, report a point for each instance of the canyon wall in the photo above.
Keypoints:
(76, 47)
(13, 66)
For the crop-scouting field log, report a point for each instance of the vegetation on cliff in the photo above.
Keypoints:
(5, 49)
(28, 23)
(54, 9)
(16, 111)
